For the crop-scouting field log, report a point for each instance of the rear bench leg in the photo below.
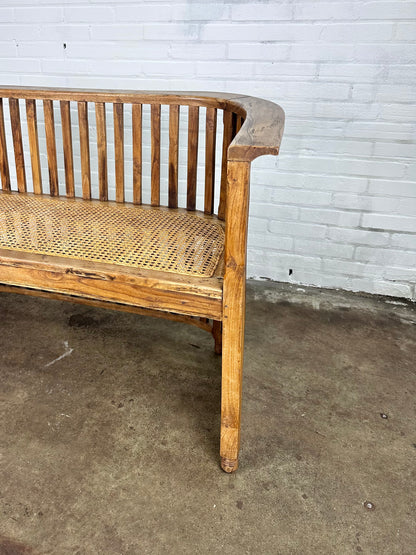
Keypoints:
(217, 335)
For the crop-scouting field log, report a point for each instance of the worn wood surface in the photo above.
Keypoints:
(210, 143)
(234, 312)
(32, 127)
(84, 140)
(217, 335)
(67, 148)
(119, 149)
(146, 289)
(193, 130)
(192, 320)
(100, 119)
(173, 155)
(155, 153)
(18, 144)
(4, 160)
(226, 140)
(51, 147)
(137, 152)
(260, 134)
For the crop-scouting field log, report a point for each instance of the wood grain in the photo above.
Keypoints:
(17, 144)
(96, 281)
(32, 127)
(192, 320)
(234, 312)
(67, 147)
(173, 155)
(4, 161)
(193, 132)
(137, 152)
(210, 142)
(84, 139)
(217, 335)
(238, 123)
(51, 147)
(119, 149)
(100, 119)
(155, 153)
(260, 134)
(227, 137)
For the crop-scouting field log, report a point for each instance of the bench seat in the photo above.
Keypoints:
(136, 255)
(145, 237)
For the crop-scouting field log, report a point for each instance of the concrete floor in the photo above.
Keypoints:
(113, 448)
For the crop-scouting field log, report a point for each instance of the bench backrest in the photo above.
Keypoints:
(97, 142)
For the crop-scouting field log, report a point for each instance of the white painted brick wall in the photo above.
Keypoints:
(338, 208)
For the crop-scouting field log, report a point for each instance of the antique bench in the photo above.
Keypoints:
(107, 227)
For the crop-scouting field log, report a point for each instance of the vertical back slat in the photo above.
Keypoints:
(119, 149)
(239, 123)
(193, 131)
(85, 149)
(101, 150)
(234, 118)
(227, 138)
(32, 127)
(210, 141)
(51, 147)
(173, 155)
(67, 146)
(155, 179)
(17, 144)
(136, 116)
(4, 161)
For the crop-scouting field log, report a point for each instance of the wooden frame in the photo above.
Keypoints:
(251, 127)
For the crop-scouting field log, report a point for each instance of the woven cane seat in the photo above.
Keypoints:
(128, 235)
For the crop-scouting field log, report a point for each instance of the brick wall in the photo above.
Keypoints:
(338, 208)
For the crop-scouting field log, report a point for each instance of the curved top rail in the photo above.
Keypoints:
(260, 134)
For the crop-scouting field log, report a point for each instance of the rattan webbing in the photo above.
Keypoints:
(134, 236)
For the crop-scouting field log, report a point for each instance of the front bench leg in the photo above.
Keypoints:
(233, 312)
(232, 370)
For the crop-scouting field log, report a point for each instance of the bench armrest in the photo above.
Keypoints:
(261, 132)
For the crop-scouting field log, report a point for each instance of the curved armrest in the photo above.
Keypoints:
(261, 132)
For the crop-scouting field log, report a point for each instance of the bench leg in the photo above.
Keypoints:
(217, 335)
(231, 387)
(234, 294)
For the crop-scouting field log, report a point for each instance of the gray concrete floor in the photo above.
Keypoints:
(113, 448)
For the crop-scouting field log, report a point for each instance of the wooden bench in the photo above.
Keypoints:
(66, 238)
